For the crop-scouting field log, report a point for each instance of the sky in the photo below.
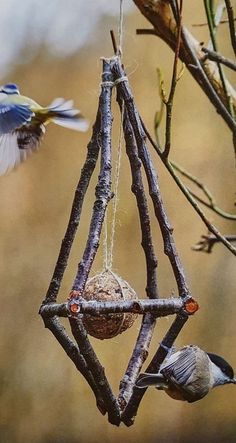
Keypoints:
(62, 29)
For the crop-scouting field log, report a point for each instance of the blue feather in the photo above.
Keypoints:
(13, 116)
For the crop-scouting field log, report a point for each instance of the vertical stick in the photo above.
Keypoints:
(140, 352)
(103, 188)
(103, 195)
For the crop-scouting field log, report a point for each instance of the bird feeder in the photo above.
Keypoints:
(105, 305)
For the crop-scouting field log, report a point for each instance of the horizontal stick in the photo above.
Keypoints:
(159, 307)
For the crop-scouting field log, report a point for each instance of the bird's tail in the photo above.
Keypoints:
(147, 379)
(62, 113)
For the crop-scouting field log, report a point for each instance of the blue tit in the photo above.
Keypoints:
(23, 121)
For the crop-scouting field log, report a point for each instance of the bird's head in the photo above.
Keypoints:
(223, 373)
(10, 88)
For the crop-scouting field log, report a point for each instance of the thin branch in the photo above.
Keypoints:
(216, 57)
(208, 241)
(212, 29)
(113, 40)
(146, 31)
(211, 204)
(213, 207)
(187, 194)
(169, 103)
(215, 17)
(158, 13)
(201, 76)
(221, 22)
(197, 208)
(231, 18)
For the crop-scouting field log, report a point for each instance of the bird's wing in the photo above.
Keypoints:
(13, 116)
(180, 366)
(147, 379)
(9, 153)
(17, 146)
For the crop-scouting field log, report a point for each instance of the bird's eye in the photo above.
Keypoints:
(228, 371)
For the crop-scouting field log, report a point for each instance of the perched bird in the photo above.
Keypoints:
(23, 121)
(189, 374)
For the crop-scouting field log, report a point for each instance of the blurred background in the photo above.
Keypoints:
(53, 50)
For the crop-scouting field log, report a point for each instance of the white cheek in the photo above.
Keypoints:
(218, 377)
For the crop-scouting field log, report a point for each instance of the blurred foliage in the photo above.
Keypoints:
(43, 398)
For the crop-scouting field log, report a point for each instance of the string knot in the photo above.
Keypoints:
(108, 84)
(121, 79)
(111, 84)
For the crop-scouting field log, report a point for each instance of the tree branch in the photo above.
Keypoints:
(231, 18)
(211, 204)
(158, 13)
(216, 57)
(187, 194)
(212, 26)
(208, 241)
(169, 103)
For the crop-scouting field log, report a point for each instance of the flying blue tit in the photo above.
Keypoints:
(23, 121)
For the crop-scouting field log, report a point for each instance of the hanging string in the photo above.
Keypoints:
(120, 28)
(105, 244)
(116, 199)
